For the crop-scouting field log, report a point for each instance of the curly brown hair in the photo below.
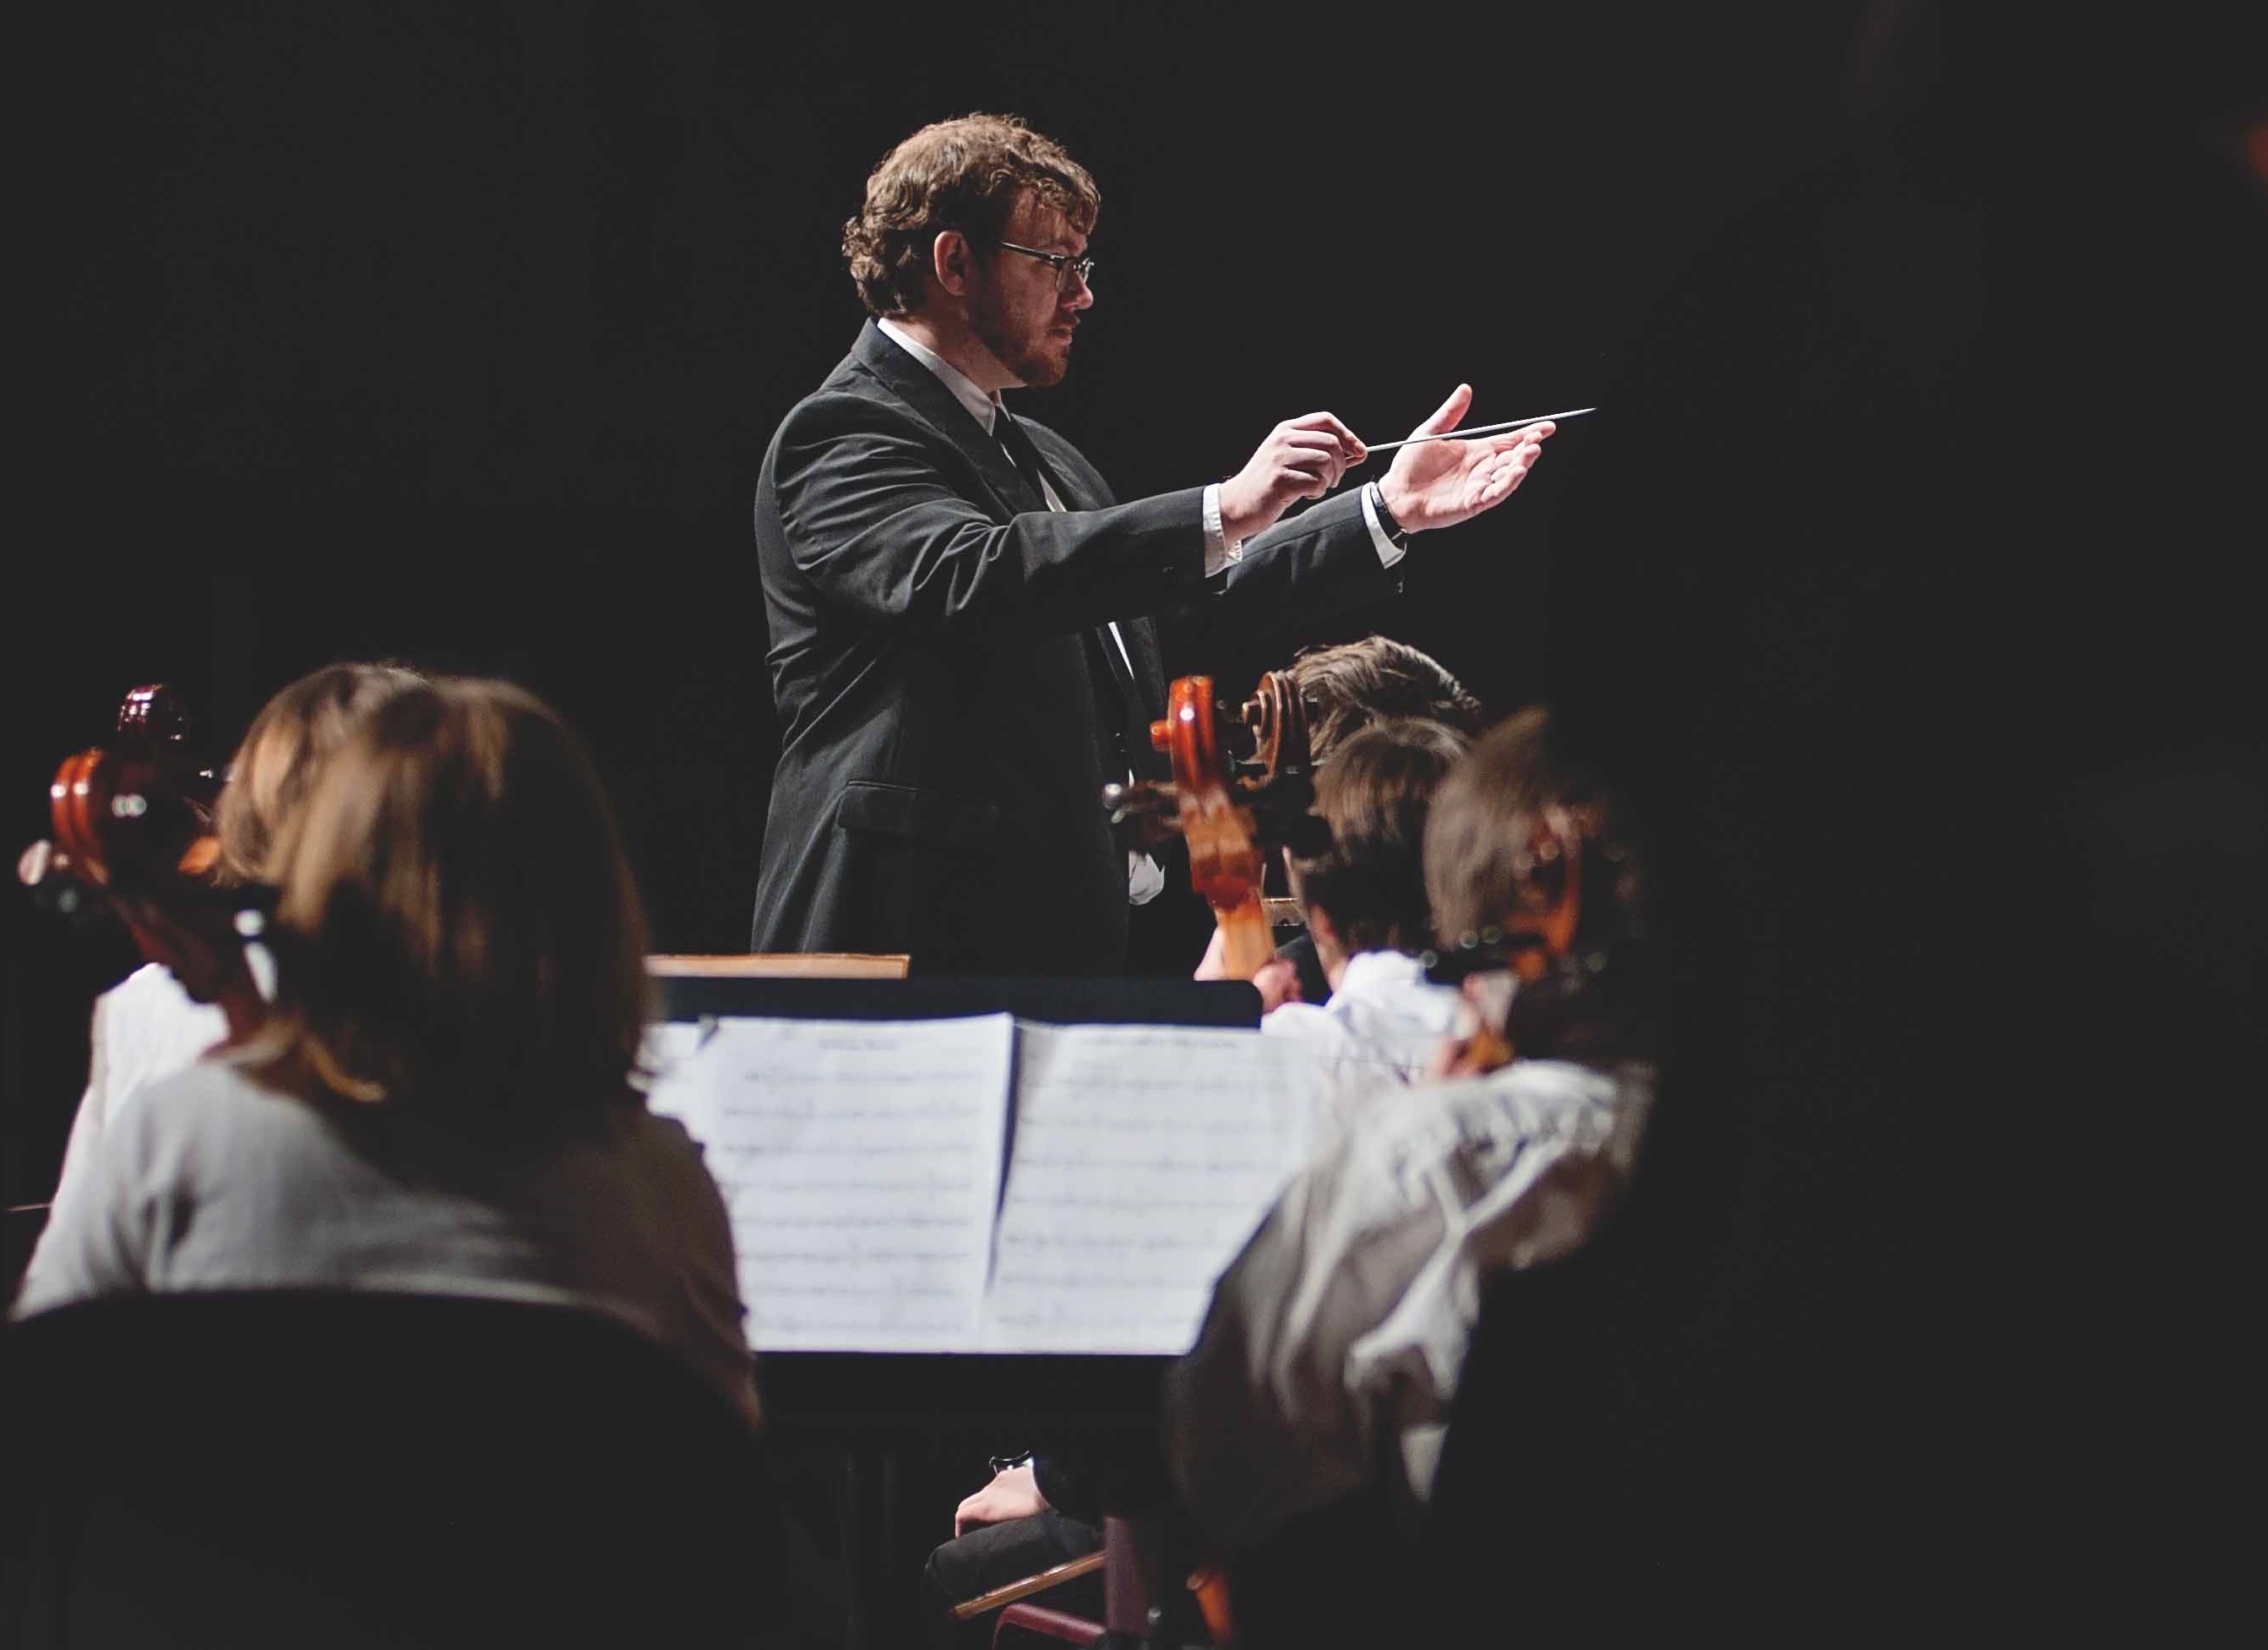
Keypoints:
(965, 175)
(1353, 684)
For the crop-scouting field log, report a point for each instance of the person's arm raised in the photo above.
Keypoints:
(1302, 458)
(868, 510)
(1441, 483)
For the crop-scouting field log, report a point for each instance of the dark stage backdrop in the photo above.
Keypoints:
(455, 335)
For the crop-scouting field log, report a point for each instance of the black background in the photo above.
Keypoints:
(455, 334)
(1905, 575)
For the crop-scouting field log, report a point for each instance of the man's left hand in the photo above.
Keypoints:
(1440, 483)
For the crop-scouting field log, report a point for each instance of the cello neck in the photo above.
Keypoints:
(1247, 943)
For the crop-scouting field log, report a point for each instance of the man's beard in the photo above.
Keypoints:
(1026, 356)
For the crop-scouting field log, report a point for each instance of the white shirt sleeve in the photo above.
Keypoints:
(1388, 551)
(1220, 553)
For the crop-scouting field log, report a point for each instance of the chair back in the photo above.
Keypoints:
(349, 1468)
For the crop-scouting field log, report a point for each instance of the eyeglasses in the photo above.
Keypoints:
(1063, 263)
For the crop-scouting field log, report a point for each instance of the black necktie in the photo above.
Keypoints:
(1103, 648)
(1022, 454)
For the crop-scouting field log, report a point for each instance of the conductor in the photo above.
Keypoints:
(963, 650)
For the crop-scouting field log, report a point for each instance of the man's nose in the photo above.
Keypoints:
(1081, 296)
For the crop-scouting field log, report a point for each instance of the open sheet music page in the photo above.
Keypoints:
(1144, 1157)
(861, 1162)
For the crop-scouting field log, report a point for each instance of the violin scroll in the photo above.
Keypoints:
(1241, 784)
(132, 836)
(135, 814)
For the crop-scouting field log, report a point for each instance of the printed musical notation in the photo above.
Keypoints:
(861, 1163)
(1145, 1156)
(864, 1164)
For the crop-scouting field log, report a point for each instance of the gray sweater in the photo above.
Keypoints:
(212, 1180)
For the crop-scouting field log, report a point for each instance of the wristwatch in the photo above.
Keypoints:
(1003, 1463)
(1395, 533)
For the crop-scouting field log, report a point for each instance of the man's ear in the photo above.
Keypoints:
(949, 257)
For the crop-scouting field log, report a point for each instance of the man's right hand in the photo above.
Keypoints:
(1302, 458)
(1015, 1492)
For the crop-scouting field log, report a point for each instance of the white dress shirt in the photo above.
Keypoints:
(1378, 1032)
(1346, 1319)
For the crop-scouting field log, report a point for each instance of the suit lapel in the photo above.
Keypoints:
(917, 385)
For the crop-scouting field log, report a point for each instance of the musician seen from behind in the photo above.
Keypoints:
(963, 614)
(1350, 685)
(162, 1017)
(444, 1096)
(1347, 686)
(1363, 893)
(1332, 1353)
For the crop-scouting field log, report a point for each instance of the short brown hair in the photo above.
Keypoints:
(276, 761)
(965, 175)
(1488, 871)
(1352, 684)
(457, 932)
(1375, 794)
(1477, 841)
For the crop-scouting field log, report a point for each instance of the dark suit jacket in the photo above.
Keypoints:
(943, 744)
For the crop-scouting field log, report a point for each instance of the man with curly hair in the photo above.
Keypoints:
(962, 648)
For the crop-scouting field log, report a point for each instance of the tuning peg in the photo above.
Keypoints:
(39, 862)
(45, 870)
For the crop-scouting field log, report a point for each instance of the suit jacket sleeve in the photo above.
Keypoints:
(1300, 570)
(871, 514)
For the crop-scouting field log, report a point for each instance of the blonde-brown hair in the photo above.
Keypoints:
(276, 761)
(1375, 794)
(965, 175)
(1477, 865)
(459, 934)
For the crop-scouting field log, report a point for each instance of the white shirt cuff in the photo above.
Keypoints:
(1220, 553)
(1145, 878)
(1388, 551)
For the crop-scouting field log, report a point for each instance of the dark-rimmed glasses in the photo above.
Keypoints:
(1063, 263)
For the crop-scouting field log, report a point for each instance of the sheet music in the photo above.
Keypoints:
(1144, 1157)
(861, 1163)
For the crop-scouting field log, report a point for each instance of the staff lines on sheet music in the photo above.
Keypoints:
(1012, 1310)
(849, 1222)
(832, 1289)
(1062, 1237)
(862, 1154)
(818, 1081)
(857, 1257)
(1170, 1124)
(876, 1188)
(820, 1120)
(832, 1139)
(1199, 1167)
